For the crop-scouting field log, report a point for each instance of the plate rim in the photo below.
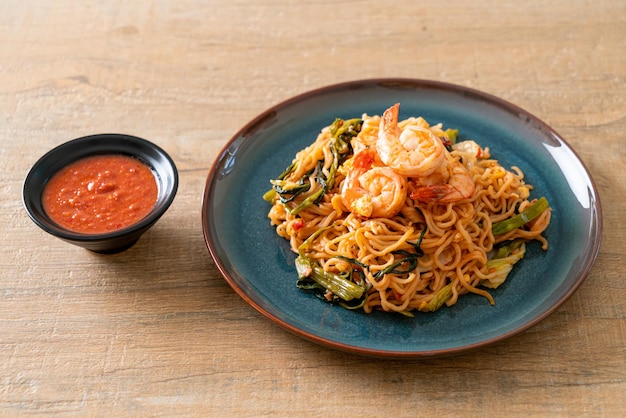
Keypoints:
(414, 83)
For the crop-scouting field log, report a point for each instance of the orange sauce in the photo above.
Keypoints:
(100, 194)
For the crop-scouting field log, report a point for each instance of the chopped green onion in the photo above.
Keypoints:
(452, 135)
(307, 202)
(334, 283)
(520, 219)
(505, 250)
(441, 297)
(288, 170)
(307, 242)
(269, 195)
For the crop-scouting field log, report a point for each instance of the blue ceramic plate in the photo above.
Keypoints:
(259, 266)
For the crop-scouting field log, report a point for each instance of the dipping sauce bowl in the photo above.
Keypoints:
(103, 146)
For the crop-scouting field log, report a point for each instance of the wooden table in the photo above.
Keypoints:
(156, 330)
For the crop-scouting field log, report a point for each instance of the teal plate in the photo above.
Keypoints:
(259, 266)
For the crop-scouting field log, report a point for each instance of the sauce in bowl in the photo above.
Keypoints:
(100, 194)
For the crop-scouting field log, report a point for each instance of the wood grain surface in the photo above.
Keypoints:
(155, 330)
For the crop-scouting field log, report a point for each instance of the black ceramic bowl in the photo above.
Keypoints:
(150, 154)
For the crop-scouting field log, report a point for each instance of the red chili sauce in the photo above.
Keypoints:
(100, 194)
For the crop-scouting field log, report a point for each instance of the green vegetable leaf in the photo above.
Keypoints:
(344, 130)
(503, 261)
(341, 131)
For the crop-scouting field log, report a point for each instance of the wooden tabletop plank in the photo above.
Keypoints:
(156, 331)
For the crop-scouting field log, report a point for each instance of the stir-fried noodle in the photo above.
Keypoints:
(399, 216)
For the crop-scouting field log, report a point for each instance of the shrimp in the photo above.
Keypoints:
(371, 190)
(451, 183)
(419, 153)
(414, 151)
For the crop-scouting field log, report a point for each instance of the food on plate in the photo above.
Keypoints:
(402, 216)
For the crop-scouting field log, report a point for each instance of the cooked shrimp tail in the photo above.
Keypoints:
(459, 185)
(433, 193)
(413, 151)
(389, 122)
